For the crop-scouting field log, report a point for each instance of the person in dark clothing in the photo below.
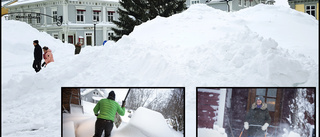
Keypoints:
(257, 115)
(37, 53)
(78, 48)
(108, 109)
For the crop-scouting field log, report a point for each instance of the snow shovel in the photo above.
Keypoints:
(241, 132)
(260, 126)
(117, 119)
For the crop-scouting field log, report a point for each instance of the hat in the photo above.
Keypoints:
(260, 98)
(36, 41)
(112, 95)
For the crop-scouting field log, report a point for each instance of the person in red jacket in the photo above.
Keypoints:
(48, 57)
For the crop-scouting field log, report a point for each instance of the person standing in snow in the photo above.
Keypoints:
(257, 115)
(78, 48)
(48, 57)
(37, 53)
(108, 108)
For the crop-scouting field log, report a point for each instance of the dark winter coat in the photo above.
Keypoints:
(37, 53)
(257, 116)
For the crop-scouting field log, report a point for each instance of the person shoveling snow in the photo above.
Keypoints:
(108, 109)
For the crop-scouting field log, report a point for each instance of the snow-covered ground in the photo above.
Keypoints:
(259, 46)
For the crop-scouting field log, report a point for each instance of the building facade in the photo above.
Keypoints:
(85, 21)
(92, 96)
(229, 5)
(310, 7)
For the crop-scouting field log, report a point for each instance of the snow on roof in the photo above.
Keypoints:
(97, 98)
(209, 90)
(85, 92)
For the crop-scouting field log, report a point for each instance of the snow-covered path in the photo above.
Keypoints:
(198, 47)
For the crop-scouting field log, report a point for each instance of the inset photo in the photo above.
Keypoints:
(123, 112)
(256, 112)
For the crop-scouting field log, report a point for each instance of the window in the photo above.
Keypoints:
(240, 4)
(269, 95)
(195, 1)
(96, 16)
(109, 36)
(56, 36)
(311, 10)
(38, 18)
(110, 16)
(29, 19)
(54, 15)
(245, 3)
(80, 15)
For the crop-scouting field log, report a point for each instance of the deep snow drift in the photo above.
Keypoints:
(258, 46)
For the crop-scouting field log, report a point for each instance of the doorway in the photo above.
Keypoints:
(272, 96)
(89, 39)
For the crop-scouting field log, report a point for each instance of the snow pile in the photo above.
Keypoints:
(148, 122)
(291, 134)
(198, 47)
(216, 132)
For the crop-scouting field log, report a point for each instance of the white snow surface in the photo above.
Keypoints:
(146, 123)
(258, 46)
(216, 132)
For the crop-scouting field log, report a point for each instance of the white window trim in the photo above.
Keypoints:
(85, 38)
(80, 7)
(315, 9)
(109, 15)
(55, 34)
(84, 17)
(98, 16)
(37, 11)
(195, 1)
(52, 10)
(96, 8)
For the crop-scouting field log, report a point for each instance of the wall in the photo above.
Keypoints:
(207, 109)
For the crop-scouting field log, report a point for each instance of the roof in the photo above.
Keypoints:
(85, 92)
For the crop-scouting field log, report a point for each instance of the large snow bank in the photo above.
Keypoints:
(147, 122)
(198, 47)
(216, 132)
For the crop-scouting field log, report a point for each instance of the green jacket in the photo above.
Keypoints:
(108, 109)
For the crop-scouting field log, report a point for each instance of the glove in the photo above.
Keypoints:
(246, 125)
(43, 64)
(265, 126)
(97, 114)
(123, 103)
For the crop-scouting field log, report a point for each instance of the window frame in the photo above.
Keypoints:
(310, 10)
(54, 13)
(96, 17)
(110, 16)
(82, 14)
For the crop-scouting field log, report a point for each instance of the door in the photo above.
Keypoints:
(70, 39)
(89, 39)
(272, 96)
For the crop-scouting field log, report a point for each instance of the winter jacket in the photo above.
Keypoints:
(37, 53)
(257, 116)
(108, 109)
(48, 57)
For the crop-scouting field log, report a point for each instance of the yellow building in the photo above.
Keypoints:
(307, 6)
